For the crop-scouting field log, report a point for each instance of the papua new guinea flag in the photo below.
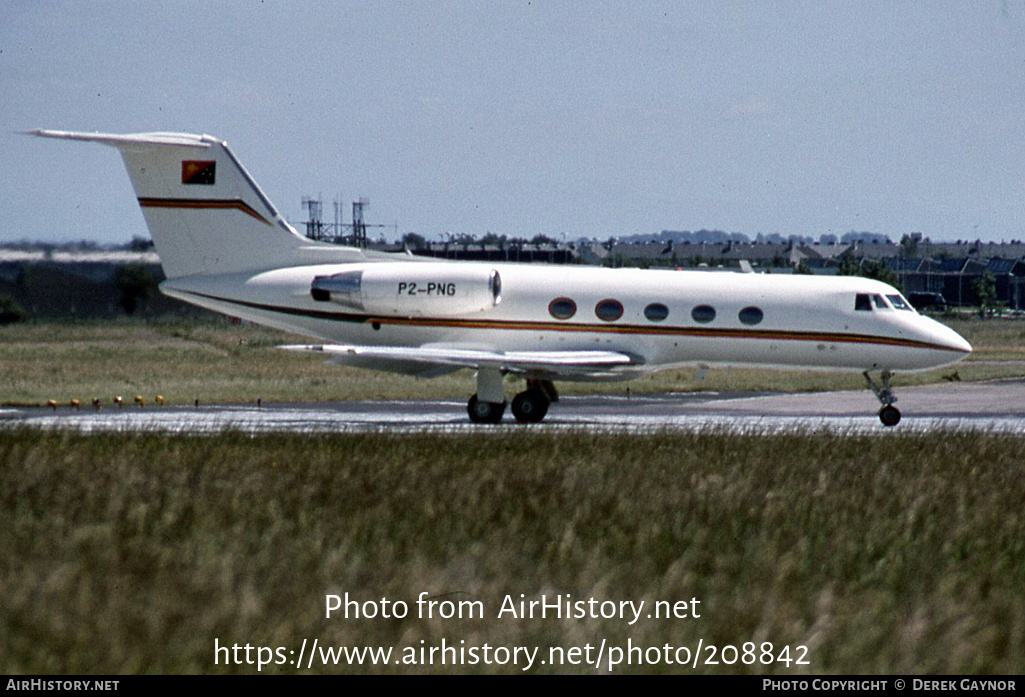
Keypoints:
(198, 171)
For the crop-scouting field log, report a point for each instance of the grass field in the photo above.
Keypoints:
(123, 553)
(216, 361)
(133, 553)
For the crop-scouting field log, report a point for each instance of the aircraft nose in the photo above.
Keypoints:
(949, 339)
(960, 343)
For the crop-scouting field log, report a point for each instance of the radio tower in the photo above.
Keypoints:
(359, 227)
(314, 223)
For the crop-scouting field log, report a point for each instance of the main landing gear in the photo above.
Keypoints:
(889, 414)
(529, 406)
(482, 412)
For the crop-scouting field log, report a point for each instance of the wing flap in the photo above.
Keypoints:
(553, 362)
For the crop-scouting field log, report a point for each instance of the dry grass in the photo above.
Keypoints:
(132, 553)
(211, 360)
(220, 362)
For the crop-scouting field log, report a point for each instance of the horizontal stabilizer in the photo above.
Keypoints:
(117, 140)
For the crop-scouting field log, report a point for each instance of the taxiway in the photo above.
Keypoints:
(995, 405)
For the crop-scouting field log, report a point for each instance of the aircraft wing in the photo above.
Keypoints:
(430, 361)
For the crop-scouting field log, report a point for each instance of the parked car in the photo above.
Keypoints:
(928, 301)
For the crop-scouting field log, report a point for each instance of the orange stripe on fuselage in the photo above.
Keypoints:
(203, 203)
(663, 331)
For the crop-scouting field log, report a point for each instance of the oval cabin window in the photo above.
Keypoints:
(703, 314)
(751, 315)
(609, 310)
(562, 308)
(656, 312)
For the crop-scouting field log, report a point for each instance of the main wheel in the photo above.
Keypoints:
(484, 412)
(889, 415)
(530, 407)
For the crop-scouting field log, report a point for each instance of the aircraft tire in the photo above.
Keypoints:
(484, 412)
(530, 407)
(889, 415)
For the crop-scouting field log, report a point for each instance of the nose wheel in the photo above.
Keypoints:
(889, 415)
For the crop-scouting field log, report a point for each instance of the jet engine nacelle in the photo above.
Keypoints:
(412, 289)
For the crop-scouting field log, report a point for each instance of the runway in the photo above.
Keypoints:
(991, 406)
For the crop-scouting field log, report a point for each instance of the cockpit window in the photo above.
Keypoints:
(862, 303)
(880, 303)
(899, 302)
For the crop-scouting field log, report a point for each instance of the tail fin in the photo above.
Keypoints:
(205, 213)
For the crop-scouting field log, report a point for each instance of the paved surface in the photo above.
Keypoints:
(998, 405)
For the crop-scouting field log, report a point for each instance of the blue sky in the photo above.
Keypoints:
(522, 118)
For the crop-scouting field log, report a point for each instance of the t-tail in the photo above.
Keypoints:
(205, 213)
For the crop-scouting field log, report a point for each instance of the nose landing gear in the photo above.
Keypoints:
(889, 415)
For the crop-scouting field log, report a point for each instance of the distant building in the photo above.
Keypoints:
(53, 283)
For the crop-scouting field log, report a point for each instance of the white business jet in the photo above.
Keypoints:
(225, 247)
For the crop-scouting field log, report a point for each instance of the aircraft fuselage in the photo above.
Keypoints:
(664, 318)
